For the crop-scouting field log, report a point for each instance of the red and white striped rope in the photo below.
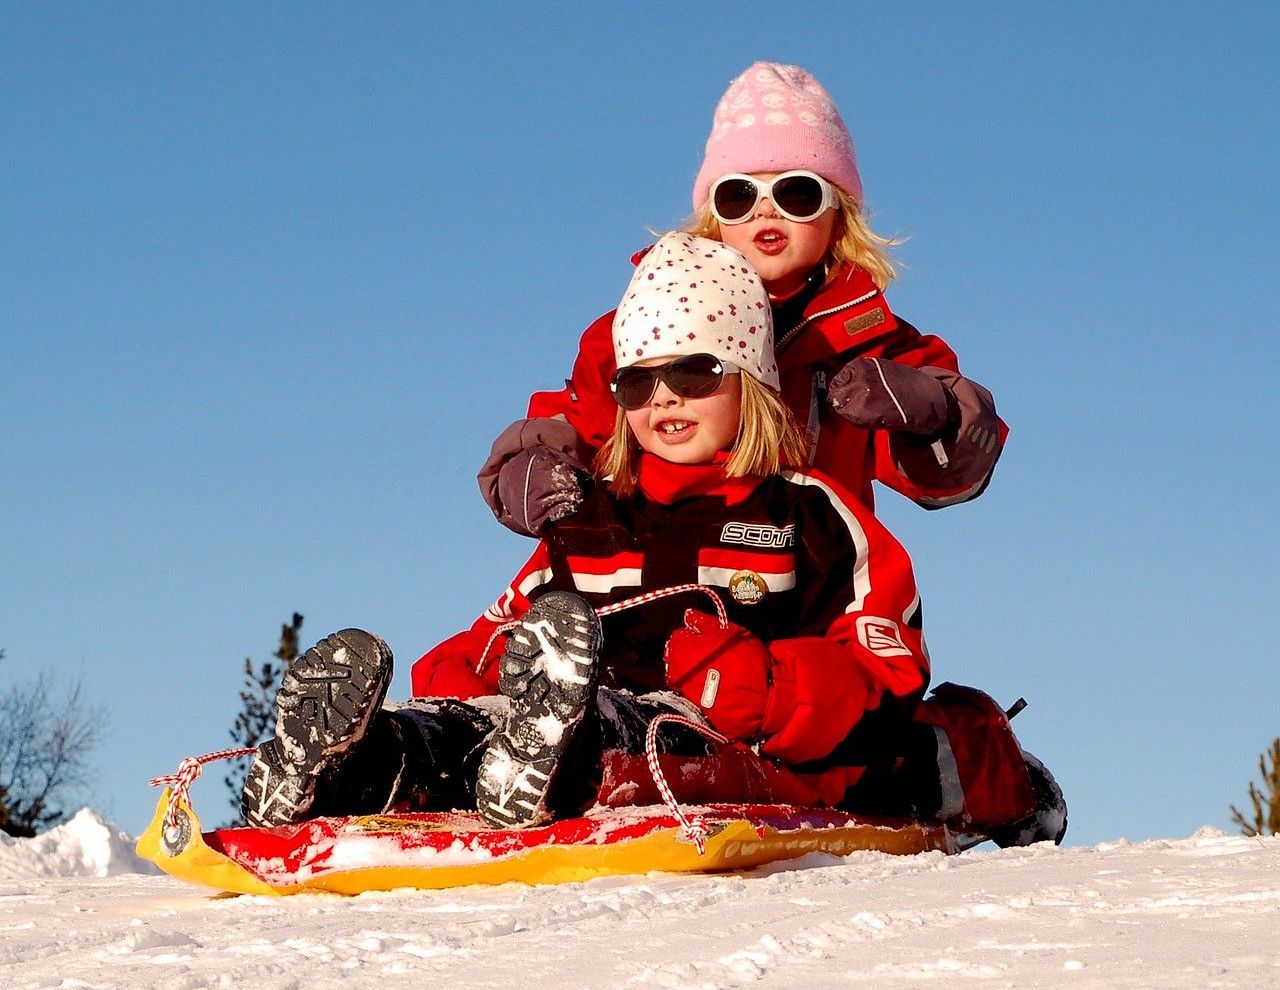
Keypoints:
(675, 589)
(483, 662)
(189, 771)
(695, 828)
(648, 596)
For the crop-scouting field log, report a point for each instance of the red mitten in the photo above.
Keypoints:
(725, 672)
(448, 671)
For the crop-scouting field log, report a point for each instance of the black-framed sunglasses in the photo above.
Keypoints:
(694, 376)
(799, 195)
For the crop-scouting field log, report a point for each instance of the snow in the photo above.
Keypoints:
(79, 910)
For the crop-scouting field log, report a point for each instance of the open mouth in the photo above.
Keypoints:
(674, 429)
(770, 241)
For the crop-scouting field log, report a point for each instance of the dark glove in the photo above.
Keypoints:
(539, 486)
(878, 394)
(725, 672)
(534, 475)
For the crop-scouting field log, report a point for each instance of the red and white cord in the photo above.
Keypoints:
(675, 589)
(188, 773)
(694, 828)
(648, 596)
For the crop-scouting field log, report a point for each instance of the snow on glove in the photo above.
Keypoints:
(879, 394)
(534, 475)
(725, 672)
(539, 486)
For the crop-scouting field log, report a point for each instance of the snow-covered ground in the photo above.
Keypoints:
(79, 910)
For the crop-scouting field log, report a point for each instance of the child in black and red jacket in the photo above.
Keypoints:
(816, 670)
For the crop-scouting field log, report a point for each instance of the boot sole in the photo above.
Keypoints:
(327, 698)
(549, 672)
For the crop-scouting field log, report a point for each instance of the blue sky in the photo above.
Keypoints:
(273, 277)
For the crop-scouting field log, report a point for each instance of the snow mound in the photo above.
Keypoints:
(85, 846)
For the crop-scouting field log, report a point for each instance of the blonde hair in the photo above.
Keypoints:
(768, 440)
(853, 242)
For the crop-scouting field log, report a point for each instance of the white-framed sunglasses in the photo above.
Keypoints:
(799, 195)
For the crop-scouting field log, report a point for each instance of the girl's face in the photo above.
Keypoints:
(688, 431)
(783, 251)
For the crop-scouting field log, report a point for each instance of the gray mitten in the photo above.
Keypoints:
(538, 486)
(534, 475)
(878, 394)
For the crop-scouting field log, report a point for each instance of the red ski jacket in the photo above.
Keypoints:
(847, 318)
(794, 558)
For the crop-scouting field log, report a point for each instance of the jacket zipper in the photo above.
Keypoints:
(818, 388)
(786, 337)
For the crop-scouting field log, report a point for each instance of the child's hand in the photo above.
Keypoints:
(725, 672)
(878, 394)
(539, 486)
(534, 475)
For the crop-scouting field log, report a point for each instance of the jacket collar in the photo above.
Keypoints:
(849, 311)
(667, 483)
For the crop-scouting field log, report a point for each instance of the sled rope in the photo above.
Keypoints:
(695, 829)
(648, 596)
(502, 630)
(675, 589)
(189, 771)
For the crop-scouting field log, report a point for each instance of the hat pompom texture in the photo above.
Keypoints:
(692, 295)
(774, 118)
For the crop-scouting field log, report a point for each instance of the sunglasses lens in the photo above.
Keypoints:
(733, 199)
(693, 377)
(633, 386)
(801, 196)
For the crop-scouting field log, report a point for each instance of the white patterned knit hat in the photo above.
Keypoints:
(691, 295)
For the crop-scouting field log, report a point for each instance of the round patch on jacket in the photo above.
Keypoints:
(747, 587)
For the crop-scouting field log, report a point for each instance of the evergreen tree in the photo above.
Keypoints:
(1265, 800)
(256, 720)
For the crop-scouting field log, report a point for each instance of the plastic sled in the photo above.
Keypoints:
(449, 849)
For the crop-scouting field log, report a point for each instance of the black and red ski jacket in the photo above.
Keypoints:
(794, 557)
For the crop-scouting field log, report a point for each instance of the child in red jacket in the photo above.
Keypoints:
(879, 401)
(816, 666)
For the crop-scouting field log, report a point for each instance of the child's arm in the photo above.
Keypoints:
(586, 402)
(865, 653)
(937, 434)
(535, 472)
(449, 670)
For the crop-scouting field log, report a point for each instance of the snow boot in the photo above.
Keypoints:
(326, 703)
(1048, 823)
(549, 672)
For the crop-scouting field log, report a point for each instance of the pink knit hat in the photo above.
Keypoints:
(773, 118)
(691, 295)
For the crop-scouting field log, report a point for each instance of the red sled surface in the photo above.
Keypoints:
(448, 849)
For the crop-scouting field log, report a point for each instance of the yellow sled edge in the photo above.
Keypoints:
(195, 862)
(734, 845)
